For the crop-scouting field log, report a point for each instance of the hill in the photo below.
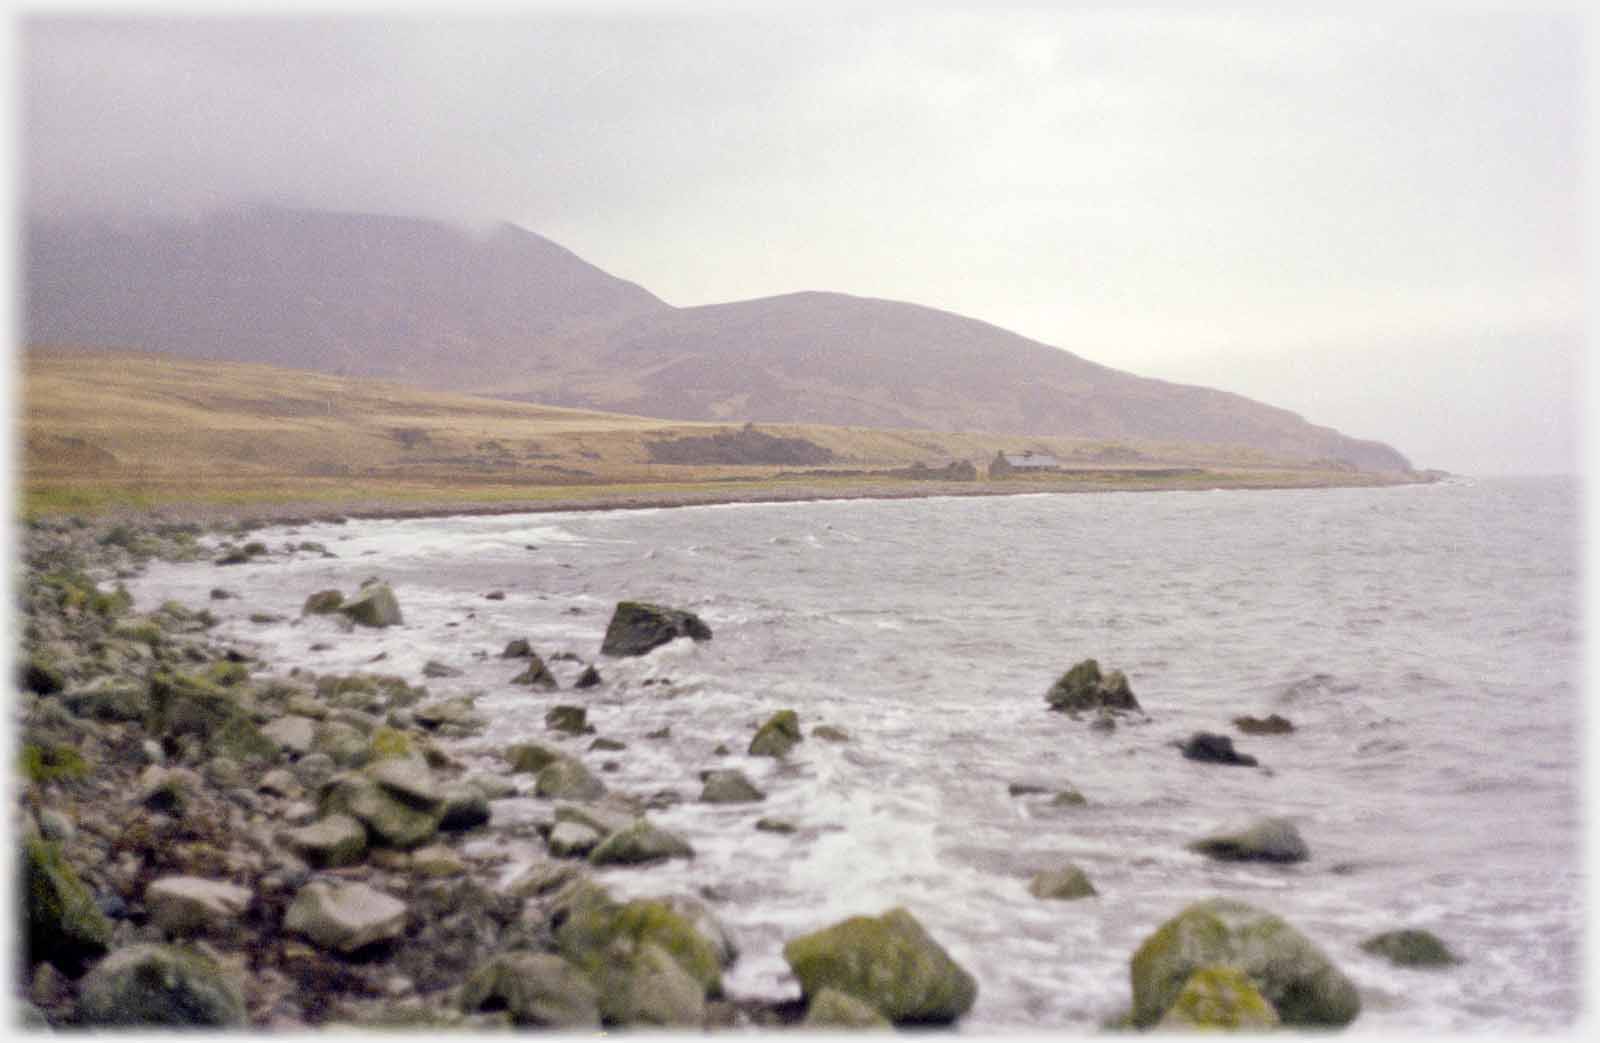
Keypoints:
(514, 315)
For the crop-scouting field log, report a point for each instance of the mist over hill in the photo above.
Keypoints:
(515, 315)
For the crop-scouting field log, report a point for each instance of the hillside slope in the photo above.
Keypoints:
(517, 316)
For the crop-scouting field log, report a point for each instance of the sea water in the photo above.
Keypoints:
(1425, 641)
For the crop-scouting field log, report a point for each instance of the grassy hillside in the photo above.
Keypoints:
(142, 430)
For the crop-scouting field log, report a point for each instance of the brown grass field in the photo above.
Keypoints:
(145, 433)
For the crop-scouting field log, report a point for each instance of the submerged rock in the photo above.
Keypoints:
(1215, 749)
(1306, 989)
(637, 627)
(1266, 840)
(777, 736)
(889, 962)
(1082, 689)
(1411, 948)
(159, 985)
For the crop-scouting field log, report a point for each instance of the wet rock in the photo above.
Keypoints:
(1266, 840)
(706, 925)
(572, 840)
(526, 757)
(159, 985)
(64, 925)
(1083, 689)
(729, 787)
(777, 736)
(1215, 749)
(336, 840)
(537, 675)
(571, 719)
(776, 825)
(604, 744)
(1068, 798)
(434, 668)
(828, 733)
(567, 779)
(1271, 725)
(637, 627)
(888, 962)
(588, 679)
(832, 1009)
(517, 648)
(374, 606)
(536, 989)
(1220, 997)
(1411, 948)
(345, 917)
(1026, 789)
(640, 843)
(191, 904)
(465, 806)
(495, 595)
(1305, 988)
(1066, 883)
(292, 734)
(322, 603)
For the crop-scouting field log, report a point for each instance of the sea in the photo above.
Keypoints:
(1425, 641)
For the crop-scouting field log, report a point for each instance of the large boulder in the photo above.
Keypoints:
(1083, 689)
(1219, 997)
(159, 985)
(640, 843)
(1266, 840)
(1301, 983)
(777, 736)
(345, 917)
(465, 806)
(65, 926)
(536, 989)
(374, 606)
(637, 627)
(889, 962)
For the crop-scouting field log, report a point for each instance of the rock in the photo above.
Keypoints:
(322, 603)
(449, 713)
(1272, 725)
(108, 699)
(1083, 689)
(776, 825)
(375, 606)
(390, 821)
(572, 840)
(1026, 789)
(345, 917)
(639, 844)
(337, 840)
(1068, 798)
(314, 770)
(777, 736)
(434, 668)
(65, 926)
(533, 757)
(888, 962)
(571, 719)
(411, 780)
(1220, 997)
(436, 860)
(1305, 988)
(292, 734)
(517, 648)
(180, 705)
(567, 779)
(637, 627)
(41, 676)
(1266, 840)
(280, 782)
(56, 825)
(588, 679)
(829, 733)
(223, 773)
(159, 985)
(496, 595)
(706, 925)
(603, 744)
(729, 787)
(654, 990)
(606, 939)
(342, 742)
(537, 675)
(602, 818)
(832, 1009)
(1411, 948)
(190, 904)
(1066, 883)
(465, 806)
(492, 786)
(536, 989)
(1215, 749)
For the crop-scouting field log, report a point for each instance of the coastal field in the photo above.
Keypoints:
(111, 432)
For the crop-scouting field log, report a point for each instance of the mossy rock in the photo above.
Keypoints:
(375, 606)
(889, 962)
(159, 985)
(181, 704)
(227, 674)
(568, 779)
(1220, 997)
(109, 699)
(40, 763)
(536, 989)
(596, 928)
(1083, 688)
(637, 627)
(832, 1009)
(390, 821)
(777, 736)
(42, 676)
(652, 989)
(640, 843)
(1411, 948)
(537, 675)
(65, 926)
(387, 742)
(143, 631)
(1064, 884)
(322, 603)
(531, 757)
(1293, 974)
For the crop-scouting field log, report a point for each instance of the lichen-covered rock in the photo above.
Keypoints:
(1411, 948)
(1066, 883)
(637, 627)
(640, 843)
(159, 985)
(65, 926)
(345, 917)
(1083, 689)
(1220, 997)
(889, 962)
(322, 603)
(336, 840)
(374, 606)
(1301, 983)
(832, 1009)
(567, 779)
(1212, 748)
(1266, 840)
(777, 736)
(537, 989)
(188, 904)
(729, 786)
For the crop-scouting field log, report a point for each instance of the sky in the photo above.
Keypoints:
(1374, 219)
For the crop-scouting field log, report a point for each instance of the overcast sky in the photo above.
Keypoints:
(1373, 220)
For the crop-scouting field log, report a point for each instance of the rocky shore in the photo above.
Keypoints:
(208, 840)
